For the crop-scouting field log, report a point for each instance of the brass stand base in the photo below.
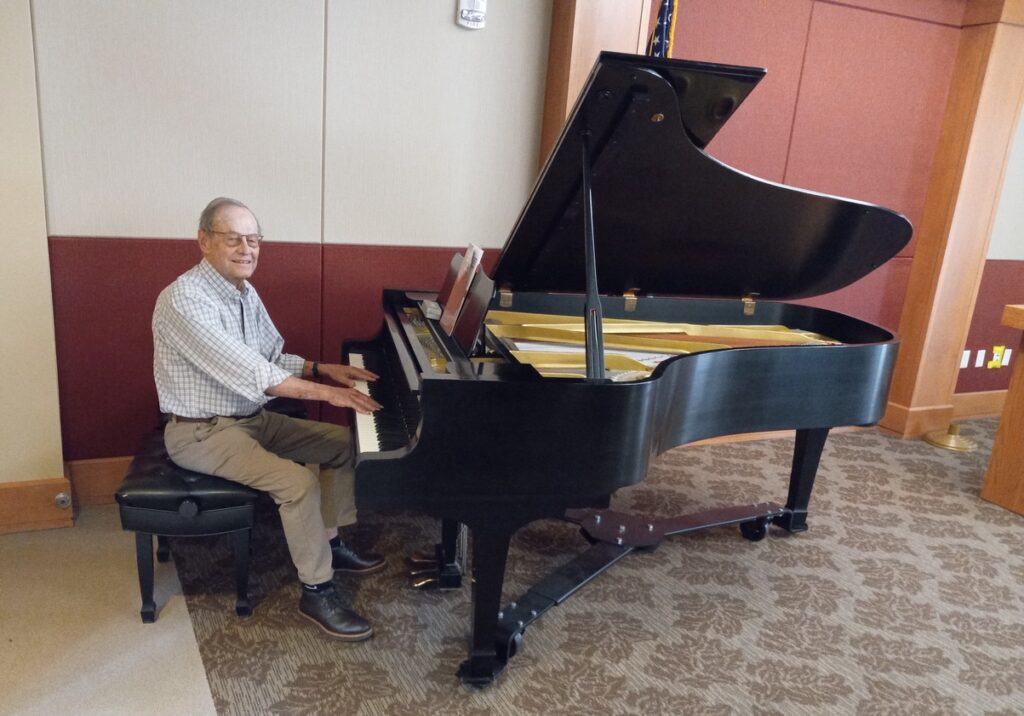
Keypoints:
(951, 440)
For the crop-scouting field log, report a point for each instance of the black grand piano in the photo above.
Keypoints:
(630, 223)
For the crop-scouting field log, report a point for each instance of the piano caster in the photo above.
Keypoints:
(243, 608)
(480, 670)
(755, 530)
(514, 644)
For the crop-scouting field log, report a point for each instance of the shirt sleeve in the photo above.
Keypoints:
(192, 325)
(292, 363)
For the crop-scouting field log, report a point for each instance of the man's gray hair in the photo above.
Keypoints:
(210, 212)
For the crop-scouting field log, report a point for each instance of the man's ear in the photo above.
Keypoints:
(204, 242)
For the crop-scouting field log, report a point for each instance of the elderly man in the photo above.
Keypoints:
(217, 361)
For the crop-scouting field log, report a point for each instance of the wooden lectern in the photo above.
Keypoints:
(1004, 481)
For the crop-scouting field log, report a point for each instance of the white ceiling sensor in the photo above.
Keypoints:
(471, 14)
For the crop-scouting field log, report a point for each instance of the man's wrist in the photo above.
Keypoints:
(316, 370)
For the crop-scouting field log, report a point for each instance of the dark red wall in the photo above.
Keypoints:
(103, 296)
(1002, 283)
(852, 102)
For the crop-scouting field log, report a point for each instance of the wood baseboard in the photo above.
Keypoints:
(95, 481)
(983, 404)
(914, 422)
(30, 505)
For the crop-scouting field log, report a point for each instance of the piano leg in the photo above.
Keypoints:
(449, 570)
(806, 456)
(490, 551)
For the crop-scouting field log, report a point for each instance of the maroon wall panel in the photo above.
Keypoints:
(103, 296)
(877, 298)
(871, 104)
(751, 32)
(1002, 283)
(946, 12)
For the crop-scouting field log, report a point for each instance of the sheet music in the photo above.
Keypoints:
(470, 263)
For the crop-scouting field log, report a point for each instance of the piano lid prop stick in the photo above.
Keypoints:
(592, 307)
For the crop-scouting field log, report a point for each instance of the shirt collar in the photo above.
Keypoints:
(224, 288)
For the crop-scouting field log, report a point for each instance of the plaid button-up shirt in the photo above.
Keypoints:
(215, 349)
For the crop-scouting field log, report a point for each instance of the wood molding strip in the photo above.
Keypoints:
(30, 505)
(1004, 480)
(95, 481)
(982, 404)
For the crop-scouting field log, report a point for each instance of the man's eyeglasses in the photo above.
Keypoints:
(232, 239)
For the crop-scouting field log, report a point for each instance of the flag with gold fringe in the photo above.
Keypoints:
(664, 32)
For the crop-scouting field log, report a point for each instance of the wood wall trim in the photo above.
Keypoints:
(556, 89)
(1013, 12)
(29, 505)
(579, 31)
(915, 421)
(1004, 480)
(985, 97)
(95, 481)
(983, 12)
(980, 404)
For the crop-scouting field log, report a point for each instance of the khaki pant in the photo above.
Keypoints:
(261, 452)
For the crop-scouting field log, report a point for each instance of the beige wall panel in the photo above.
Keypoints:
(149, 109)
(1008, 231)
(432, 130)
(30, 447)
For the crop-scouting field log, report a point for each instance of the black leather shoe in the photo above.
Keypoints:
(344, 559)
(326, 610)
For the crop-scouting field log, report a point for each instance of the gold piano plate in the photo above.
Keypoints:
(632, 347)
(438, 361)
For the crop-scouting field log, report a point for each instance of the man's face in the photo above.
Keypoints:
(235, 263)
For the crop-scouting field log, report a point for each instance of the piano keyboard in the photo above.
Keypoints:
(393, 426)
(366, 430)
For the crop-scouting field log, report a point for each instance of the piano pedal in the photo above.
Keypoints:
(424, 582)
(424, 571)
(422, 558)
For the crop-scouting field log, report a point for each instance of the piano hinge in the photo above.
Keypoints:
(505, 297)
(630, 300)
(750, 303)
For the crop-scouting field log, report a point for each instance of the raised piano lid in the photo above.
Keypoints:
(669, 219)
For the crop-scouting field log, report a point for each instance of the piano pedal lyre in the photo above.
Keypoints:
(420, 558)
(426, 582)
(423, 570)
(444, 568)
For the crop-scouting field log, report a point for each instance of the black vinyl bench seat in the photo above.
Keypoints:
(159, 498)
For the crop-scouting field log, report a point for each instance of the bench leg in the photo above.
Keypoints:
(240, 546)
(144, 558)
(163, 549)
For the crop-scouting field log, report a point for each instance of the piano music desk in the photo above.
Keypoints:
(1004, 481)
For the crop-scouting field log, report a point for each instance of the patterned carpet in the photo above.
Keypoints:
(906, 596)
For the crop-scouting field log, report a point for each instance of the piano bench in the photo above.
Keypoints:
(159, 498)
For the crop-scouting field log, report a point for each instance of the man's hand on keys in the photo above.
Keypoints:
(346, 375)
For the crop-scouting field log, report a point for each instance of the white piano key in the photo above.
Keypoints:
(365, 428)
